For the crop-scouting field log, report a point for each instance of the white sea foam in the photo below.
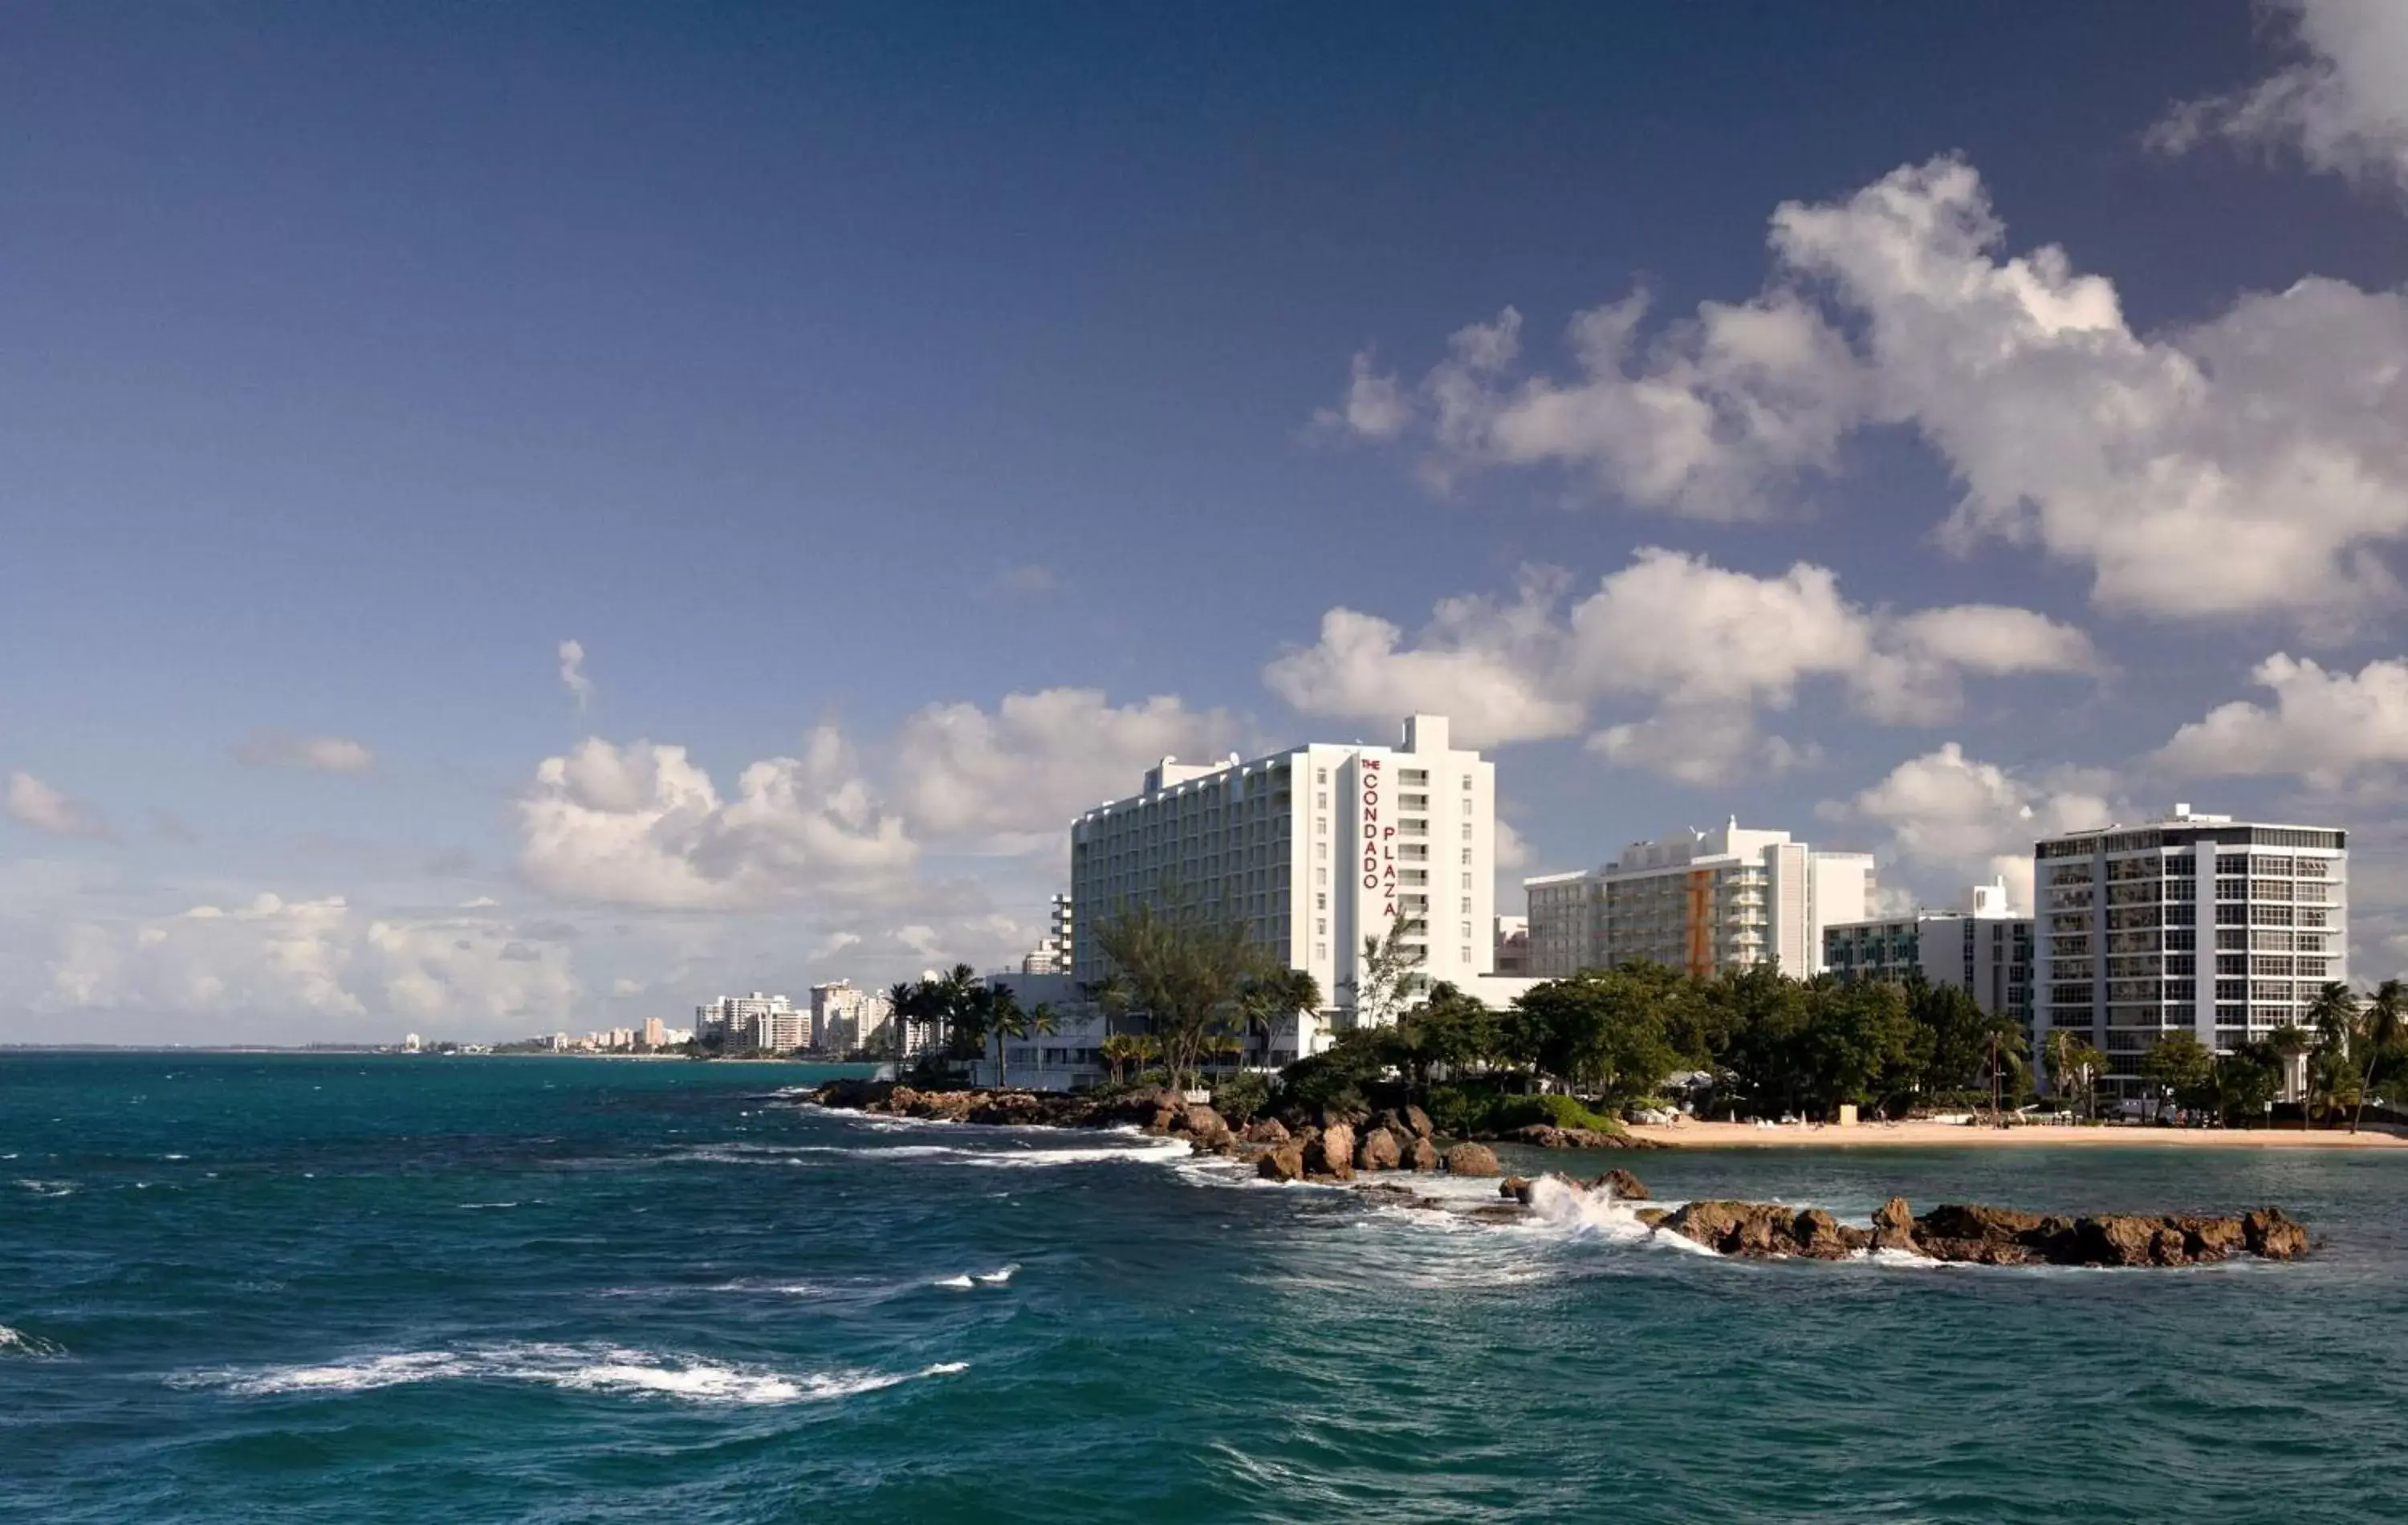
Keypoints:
(995, 1278)
(960, 1282)
(15, 1342)
(475, 1205)
(1154, 1152)
(50, 1189)
(604, 1369)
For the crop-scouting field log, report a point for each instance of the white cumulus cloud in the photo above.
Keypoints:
(2342, 103)
(2323, 726)
(2252, 463)
(642, 825)
(1032, 764)
(1976, 820)
(38, 805)
(1709, 647)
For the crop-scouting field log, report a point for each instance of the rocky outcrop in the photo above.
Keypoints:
(1473, 1159)
(1331, 1152)
(1625, 1186)
(1266, 1130)
(1983, 1235)
(1285, 1162)
(1378, 1151)
(1423, 1156)
(1417, 1123)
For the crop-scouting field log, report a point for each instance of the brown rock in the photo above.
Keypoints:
(1818, 1236)
(1473, 1159)
(1331, 1152)
(1515, 1187)
(1284, 1163)
(1267, 1130)
(2269, 1232)
(2208, 1240)
(1894, 1214)
(1651, 1216)
(1423, 1156)
(1206, 1127)
(1378, 1151)
(1959, 1220)
(2115, 1239)
(1417, 1123)
(1541, 1136)
(1625, 1187)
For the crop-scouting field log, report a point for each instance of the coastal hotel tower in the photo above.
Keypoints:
(1313, 850)
(2224, 929)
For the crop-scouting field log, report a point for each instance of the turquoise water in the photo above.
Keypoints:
(285, 1288)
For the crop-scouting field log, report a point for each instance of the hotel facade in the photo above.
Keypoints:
(1700, 901)
(1985, 950)
(2194, 924)
(1313, 850)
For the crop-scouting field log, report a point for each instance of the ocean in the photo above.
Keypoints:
(336, 1288)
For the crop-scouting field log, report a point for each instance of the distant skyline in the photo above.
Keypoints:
(529, 517)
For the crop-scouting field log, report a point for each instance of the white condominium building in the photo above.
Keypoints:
(840, 1015)
(1313, 850)
(2198, 924)
(1984, 949)
(754, 1021)
(1053, 955)
(1702, 901)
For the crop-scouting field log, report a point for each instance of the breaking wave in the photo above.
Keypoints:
(16, 1342)
(605, 1369)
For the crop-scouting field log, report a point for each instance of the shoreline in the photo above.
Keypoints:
(1928, 1135)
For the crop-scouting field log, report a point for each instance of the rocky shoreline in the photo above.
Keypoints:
(1343, 1148)
(1329, 1147)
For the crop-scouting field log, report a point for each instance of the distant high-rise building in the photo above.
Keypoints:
(1053, 955)
(655, 1032)
(841, 1016)
(1513, 948)
(2194, 924)
(754, 1021)
(1984, 949)
(1702, 901)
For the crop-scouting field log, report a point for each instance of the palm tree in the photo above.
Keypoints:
(2073, 1067)
(2379, 1030)
(1120, 1050)
(1005, 1021)
(2291, 1043)
(904, 1006)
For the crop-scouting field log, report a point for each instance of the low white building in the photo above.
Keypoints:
(1734, 897)
(1984, 949)
(755, 1021)
(841, 1016)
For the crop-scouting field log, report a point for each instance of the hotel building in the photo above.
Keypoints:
(1312, 850)
(754, 1021)
(1702, 901)
(1984, 949)
(2197, 924)
(1053, 955)
(840, 1015)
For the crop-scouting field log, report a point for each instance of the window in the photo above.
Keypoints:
(1466, 953)
(1466, 904)
(1321, 928)
(1467, 781)
(1321, 876)
(1467, 858)
(1320, 951)
(1467, 830)
(1467, 930)
(1321, 826)
(1321, 776)
(1321, 801)
(1320, 902)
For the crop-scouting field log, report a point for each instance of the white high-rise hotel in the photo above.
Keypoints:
(1313, 850)
(2223, 929)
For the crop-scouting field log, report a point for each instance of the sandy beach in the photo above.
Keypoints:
(1927, 1135)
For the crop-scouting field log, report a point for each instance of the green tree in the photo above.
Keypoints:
(2376, 1040)
(1119, 1051)
(2180, 1067)
(1006, 1020)
(2074, 1068)
(1188, 971)
(2246, 1081)
(1391, 975)
(1598, 1031)
(1959, 1029)
(1277, 996)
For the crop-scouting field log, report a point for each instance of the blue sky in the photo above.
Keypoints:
(1908, 425)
